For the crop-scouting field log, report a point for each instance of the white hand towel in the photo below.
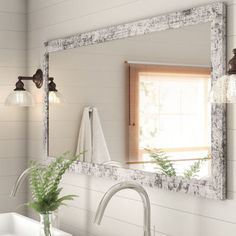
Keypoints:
(85, 137)
(100, 151)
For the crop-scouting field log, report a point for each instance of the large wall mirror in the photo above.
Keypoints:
(135, 98)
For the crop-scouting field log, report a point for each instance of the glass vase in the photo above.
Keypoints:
(46, 225)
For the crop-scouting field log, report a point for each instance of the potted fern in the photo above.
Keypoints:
(44, 185)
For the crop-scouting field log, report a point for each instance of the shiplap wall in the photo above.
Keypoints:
(12, 120)
(172, 213)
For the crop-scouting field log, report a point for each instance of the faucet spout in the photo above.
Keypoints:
(18, 182)
(126, 185)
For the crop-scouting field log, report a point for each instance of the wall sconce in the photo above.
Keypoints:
(21, 97)
(54, 96)
(224, 89)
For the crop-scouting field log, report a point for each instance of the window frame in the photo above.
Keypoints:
(135, 152)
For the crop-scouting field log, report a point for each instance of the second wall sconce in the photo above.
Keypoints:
(21, 97)
(224, 89)
(54, 96)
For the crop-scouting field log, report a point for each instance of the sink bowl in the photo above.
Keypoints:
(13, 224)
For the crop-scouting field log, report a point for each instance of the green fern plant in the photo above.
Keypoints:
(161, 160)
(166, 166)
(44, 184)
(194, 169)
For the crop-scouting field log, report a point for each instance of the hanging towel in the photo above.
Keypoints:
(85, 137)
(100, 151)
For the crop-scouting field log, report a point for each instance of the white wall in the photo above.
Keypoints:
(172, 214)
(12, 120)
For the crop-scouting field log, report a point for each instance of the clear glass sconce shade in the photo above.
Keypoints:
(224, 90)
(20, 98)
(55, 97)
(231, 90)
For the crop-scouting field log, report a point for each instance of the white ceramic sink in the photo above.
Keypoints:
(13, 224)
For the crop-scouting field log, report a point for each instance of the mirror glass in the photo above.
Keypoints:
(140, 102)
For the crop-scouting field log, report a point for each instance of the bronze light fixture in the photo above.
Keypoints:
(232, 64)
(21, 97)
(54, 96)
(37, 78)
(224, 89)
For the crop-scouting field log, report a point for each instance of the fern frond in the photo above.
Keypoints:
(162, 161)
(194, 169)
(44, 184)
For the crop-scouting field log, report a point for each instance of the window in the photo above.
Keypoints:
(169, 110)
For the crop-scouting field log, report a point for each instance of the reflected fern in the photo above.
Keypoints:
(166, 166)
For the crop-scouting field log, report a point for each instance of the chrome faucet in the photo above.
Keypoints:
(126, 185)
(19, 180)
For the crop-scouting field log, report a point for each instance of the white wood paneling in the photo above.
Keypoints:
(75, 230)
(88, 188)
(36, 5)
(232, 19)
(13, 155)
(35, 148)
(8, 204)
(11, 114)
(13, 6)
(231, 136)
(231, 116)
(7, 182)
(12, 58)
(13, 40)
(12, 130)
(12, 166)
(101, 19)
(44, 18)
(9, 75)
(35, 131)
(109, 226)
(12, 22)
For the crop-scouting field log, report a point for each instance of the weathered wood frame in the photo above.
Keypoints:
(215, 14)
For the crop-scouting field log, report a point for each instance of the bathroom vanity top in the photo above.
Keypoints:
(12, 224)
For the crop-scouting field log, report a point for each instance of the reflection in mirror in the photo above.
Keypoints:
(170, 119)
(140, 101)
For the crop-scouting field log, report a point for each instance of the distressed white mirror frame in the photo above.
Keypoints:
(215, 14)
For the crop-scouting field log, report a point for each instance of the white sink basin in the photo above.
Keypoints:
(13, 224)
